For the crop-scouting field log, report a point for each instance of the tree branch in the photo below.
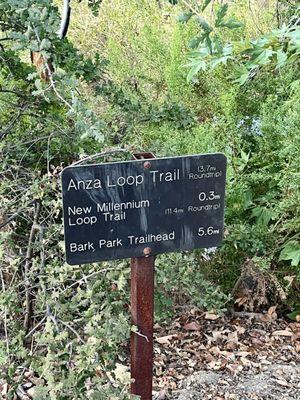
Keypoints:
(14, 215)
(104, 153)
(28, 295)
(12, 123)
(11, 91)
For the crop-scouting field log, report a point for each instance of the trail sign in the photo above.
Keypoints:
(139, 209)
(143, 207)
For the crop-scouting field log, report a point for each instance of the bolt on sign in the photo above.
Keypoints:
(143, 207)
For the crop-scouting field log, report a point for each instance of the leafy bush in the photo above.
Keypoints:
(180, 276)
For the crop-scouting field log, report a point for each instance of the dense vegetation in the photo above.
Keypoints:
(172, 77)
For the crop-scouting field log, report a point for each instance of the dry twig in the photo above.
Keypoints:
(28, 296)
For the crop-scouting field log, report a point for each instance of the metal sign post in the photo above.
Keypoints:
(142, 307)
(142, 316)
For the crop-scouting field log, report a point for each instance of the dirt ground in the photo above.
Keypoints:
(275, 381)
(244, 356)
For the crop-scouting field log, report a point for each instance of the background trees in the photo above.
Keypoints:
(172, 77)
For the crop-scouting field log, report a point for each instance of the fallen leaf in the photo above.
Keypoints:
(282, 332)
(282, 382)
(215, 350)
(223, 382)
(4, 389)
(165, 339)
(295, 326)
(209, 358)
(240, 329)
(231, 346)
(215, 365)
(233, 337)
(243, 353)
(162, 395)
(272, 310)
(245, 362)
(31, 392)
(257, 342)
(192, 326)
(270, 316)
(210, 316)
(217, 335)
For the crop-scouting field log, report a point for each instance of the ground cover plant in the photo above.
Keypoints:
(173, 77)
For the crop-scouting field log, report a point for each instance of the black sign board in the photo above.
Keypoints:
(137, 208)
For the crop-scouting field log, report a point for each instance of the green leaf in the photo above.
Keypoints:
(199, 54)
(220, 60)
(45, 44)
(293, 315)
(281, 58)
(184, 17)
(32, 76)
(228, 49)
(245, 156)
(247, 199)
(205, 4)
(218, 47)
(195, 69)
(122, 281)
(263, 215)
(264, 57)
(231, 23)
(204, 25)
(296, 311)
(242, 79)
(291, 251)
(209, 43)
(194, 42)
(295, 35)
(221, 12)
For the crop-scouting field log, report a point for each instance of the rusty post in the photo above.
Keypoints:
(142, 308)
(142, 314)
